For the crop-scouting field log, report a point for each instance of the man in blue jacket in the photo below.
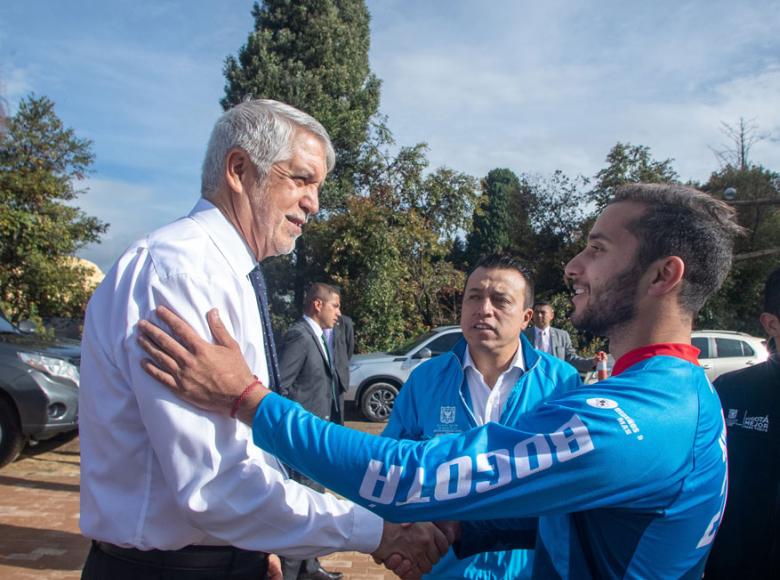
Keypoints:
(493, 374)
(627, 476)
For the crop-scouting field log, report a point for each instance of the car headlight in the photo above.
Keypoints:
(353, 367)
(55, 367)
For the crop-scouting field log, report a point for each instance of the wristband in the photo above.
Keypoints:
(242, 397)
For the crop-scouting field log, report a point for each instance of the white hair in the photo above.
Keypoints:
(264, 129)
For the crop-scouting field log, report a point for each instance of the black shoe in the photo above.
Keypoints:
(320, 573)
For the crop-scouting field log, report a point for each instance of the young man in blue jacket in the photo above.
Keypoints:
(627, 476)
(493, 374)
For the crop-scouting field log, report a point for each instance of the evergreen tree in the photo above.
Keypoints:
(41, 163)
(492, 218)
(313, 54)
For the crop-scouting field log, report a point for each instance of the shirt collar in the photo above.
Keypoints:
(231, 245)
(517, 361)
(542, 331)
(313, 323)
(684, 351)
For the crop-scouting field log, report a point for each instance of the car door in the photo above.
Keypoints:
(732, 354)
(437, 345)
(706, 359)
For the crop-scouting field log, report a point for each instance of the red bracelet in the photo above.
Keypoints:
(242, 397)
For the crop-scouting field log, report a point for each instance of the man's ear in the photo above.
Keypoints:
(237, 167)
(771, 324)
(527, 317)
(666, 275)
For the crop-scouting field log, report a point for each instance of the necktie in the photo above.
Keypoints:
(539, 340)
(261, 293)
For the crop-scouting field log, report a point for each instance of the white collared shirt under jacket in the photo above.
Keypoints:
(487, 403)
(157, 472)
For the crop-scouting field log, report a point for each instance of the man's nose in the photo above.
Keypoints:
(573, 267)
(310, 202)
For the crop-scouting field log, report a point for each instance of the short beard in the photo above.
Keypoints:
(614, 306)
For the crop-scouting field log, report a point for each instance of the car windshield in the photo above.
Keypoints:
(412, 344)
(6, 327)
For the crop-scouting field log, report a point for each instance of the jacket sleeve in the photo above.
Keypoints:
(571, 453)
(581, 363)
(292, 359)
(403, 422)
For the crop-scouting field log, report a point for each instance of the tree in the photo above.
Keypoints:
(313, 54)
(557, 218)
(742, 136)
(41, 163)
(492, 220)
(737, 305)
(630, 164)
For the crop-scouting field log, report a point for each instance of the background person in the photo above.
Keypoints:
(748, 543)
(492, 374)
(308, 376)
(555, 341)
(167, 489)
(341, 339)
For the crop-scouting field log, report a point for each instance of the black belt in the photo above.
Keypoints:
(190, 557)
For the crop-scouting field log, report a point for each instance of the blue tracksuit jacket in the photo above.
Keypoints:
(435, 401)
(627, 476)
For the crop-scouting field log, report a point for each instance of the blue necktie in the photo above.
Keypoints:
(261, 292)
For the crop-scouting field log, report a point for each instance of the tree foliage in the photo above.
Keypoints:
(312, 54)
(628, 163)
(738, 304)
(41, 164)
(493, 219)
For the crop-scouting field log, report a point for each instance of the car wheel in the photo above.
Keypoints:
(11, 439)
(377, 401)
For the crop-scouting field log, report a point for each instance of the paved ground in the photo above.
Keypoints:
(39, 517)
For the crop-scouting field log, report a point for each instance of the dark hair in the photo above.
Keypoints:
(772, 293)
(541, 303)
(503, 261)
(318, 291)
(684, 222)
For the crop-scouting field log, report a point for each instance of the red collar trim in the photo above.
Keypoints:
(683, 351)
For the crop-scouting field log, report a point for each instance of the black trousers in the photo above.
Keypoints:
(192, 563)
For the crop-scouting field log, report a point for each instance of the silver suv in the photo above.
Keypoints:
(375, 378)
(723, 351)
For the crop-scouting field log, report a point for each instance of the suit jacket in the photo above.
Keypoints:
(343, 349)
(305, 373)
(561, 347)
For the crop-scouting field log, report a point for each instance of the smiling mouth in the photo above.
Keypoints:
(296, 220)
(483, 327)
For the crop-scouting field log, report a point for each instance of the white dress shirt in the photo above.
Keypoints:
(486, 403)
(157, 472)
(319, 332)
(542, 339)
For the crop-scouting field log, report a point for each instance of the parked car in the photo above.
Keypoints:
(723, 351)
(375, 378)
(39, 382)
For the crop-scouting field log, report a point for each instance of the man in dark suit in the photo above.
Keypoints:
(748, 543)
(341, 340)
(554, 341)
(309, 376)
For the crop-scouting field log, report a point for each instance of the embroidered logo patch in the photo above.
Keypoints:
(447, 415)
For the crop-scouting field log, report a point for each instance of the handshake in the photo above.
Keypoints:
(411, 550)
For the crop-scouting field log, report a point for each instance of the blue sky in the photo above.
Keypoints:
(533, 86)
